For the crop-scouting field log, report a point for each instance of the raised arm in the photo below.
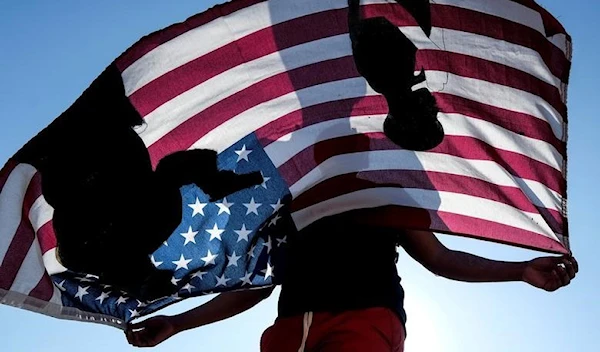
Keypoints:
(153, 331)
(548, 273)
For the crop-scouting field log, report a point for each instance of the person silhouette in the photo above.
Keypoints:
(340, 288)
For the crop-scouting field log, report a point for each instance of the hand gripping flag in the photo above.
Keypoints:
(186, 164)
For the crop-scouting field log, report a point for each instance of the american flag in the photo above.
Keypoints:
(272, 86)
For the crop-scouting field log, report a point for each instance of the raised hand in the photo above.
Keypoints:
(550, 273)
(151, 332)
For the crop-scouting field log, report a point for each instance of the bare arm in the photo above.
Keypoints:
(548, 273)
(155, 330)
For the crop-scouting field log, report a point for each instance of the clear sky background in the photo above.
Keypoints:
(50, 51)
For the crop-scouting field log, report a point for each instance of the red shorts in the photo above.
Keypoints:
(373, 329)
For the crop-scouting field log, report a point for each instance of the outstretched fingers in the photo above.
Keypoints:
(570, 267)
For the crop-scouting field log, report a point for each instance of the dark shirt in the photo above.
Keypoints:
(334, 266)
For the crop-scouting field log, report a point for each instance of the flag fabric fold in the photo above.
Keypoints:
(273, 88)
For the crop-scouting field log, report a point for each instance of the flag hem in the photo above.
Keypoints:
(564, 210)
(36, 305)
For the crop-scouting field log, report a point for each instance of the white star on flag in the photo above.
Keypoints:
(251, 251)
(156, 264)
(85, 279)
(189, 236)
(243, 154)
(246, 279)
(264, 226)
(274, 220)
(269, 245)
(134, 313)
(81, 291)
(252, 207)
(182, 263)
(61, 286)
(233, 259)
(140, 304)
(175, 281)
(281, 241)
(209, 259)
(222, 281)
(224, 207)
(199, 274)
(264, 183)
(277, 206)
(243, 233)
(188, 287)
(197, 207)
(122, 299)
(102, 297)
(215, 232)
(268, 271)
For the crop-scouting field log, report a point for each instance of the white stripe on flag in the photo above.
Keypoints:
(484, 170)
(511, 11)
(499, 96)
(234, 129)
(181, 108)
(56, 295)
(483, 47)
(51, 263)
(286, 147)
(202, 40)
(41, 212)
(11, 204)
(194, 43)
(31, 271)
(501, 138)
(456, 203)
(289, 145)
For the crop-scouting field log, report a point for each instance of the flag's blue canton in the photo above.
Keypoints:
(233, 243)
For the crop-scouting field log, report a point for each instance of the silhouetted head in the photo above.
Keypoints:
(412, 123)
(384, 56)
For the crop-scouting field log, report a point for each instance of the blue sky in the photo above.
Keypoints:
(51, 51)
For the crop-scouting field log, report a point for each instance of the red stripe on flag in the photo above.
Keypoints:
(491, 26)
(420, 179)
(472, 67)
(517, 122)
(455, 224)
(464, 20)
(44, 290)
(551, 24)
(187, 133)
(288, 34)
(370, 105)
(154, 40)
(439, 18)
(16, 253)
(272, 39)
(23, 239)
(516, 164)
(47, 237)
